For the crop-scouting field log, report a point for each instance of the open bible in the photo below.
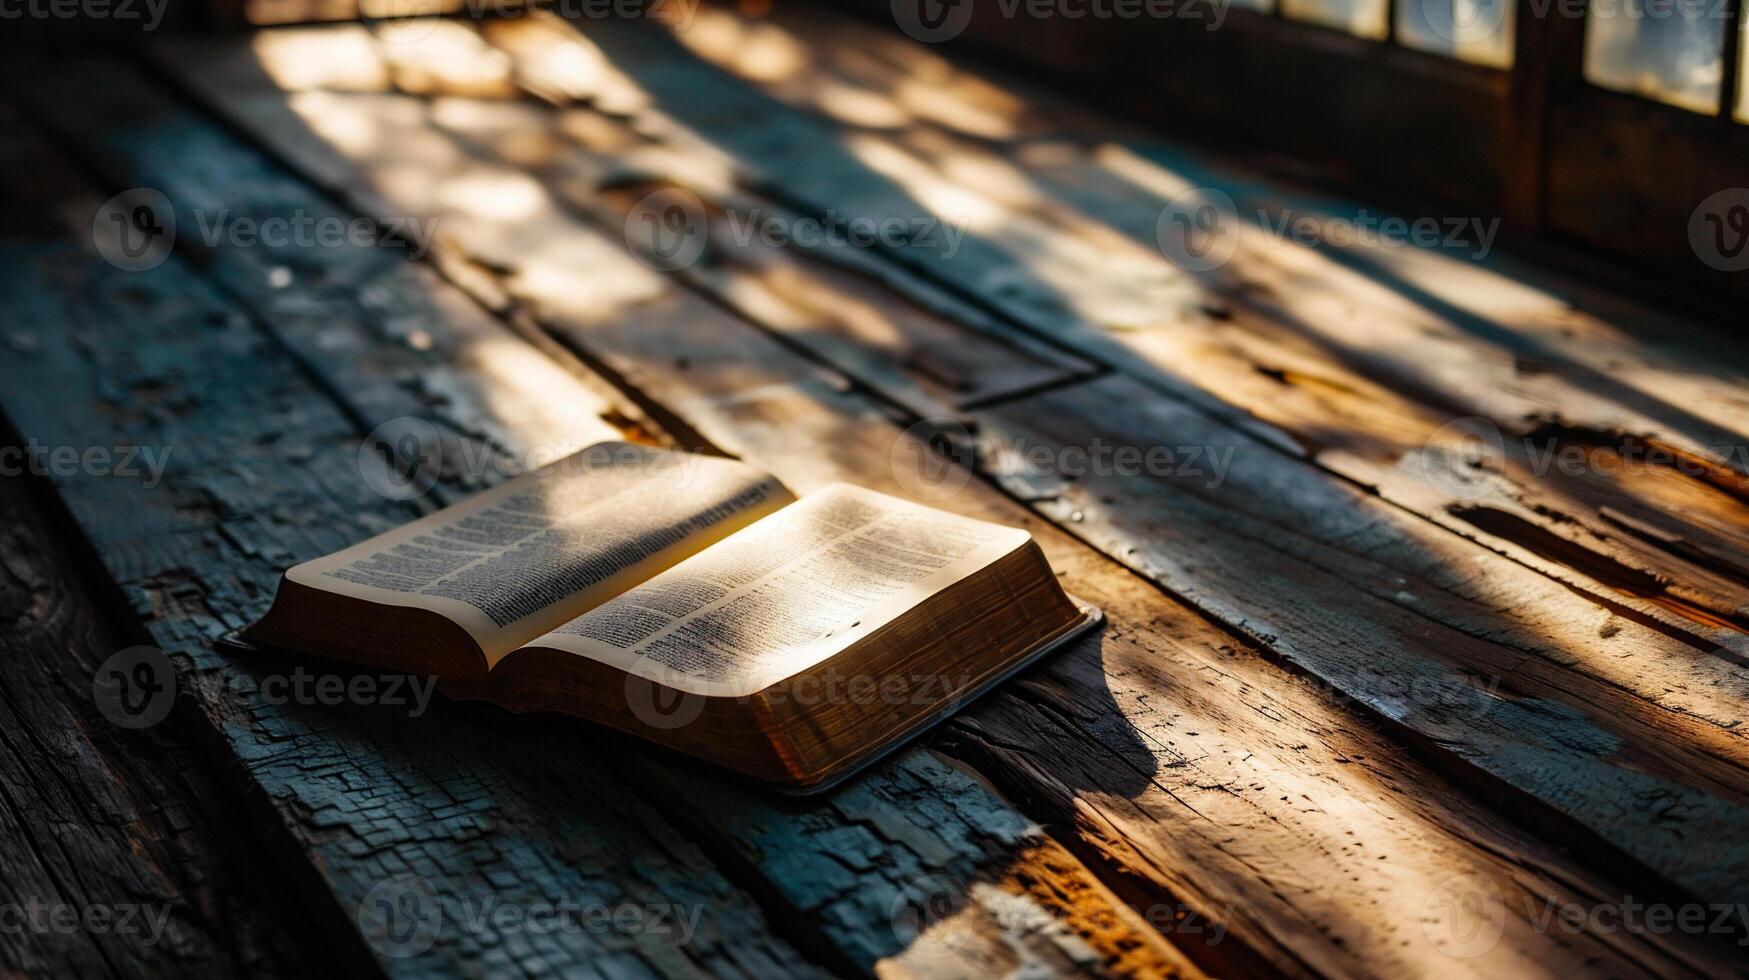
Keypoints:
(695, 602)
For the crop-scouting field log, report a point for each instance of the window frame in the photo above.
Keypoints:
(1589, 172)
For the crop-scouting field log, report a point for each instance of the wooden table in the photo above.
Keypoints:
(1427, 574)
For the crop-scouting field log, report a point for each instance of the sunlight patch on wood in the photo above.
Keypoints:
(941, 199)
(546, 413)
(442, 57)
(300, 59)
(762, 52)
(499, 196)
(559, 64)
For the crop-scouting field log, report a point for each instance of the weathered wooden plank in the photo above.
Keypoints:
(130, 831)
(388, 336)
(912, 823)
(1626, 731)
(926, 358)
(1666, 673)
(1489, 594)
(263, 472)
(1047, 155)
(1644, 668)
(1201, 777)
(729, 392)
(1364, 356)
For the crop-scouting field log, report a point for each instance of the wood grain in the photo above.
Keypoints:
(1364, 357)
(264, 472)
(1445, 687)
(132, 826)
(1152, 747)
(932, 828)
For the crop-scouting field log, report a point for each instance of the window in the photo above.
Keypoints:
(1742, 76)
(1606, 124)
(1362, 18)
(1476, 31)
(1669, 50)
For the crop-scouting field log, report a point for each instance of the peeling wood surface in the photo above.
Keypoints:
(1363, 698)
(533, 815)
(264, 472)
(133, 826)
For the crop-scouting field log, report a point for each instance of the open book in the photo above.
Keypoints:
(692, 601)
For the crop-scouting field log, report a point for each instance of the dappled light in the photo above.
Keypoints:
(1388, 582)
(544, 417)
(339, 59)
(495, 196)
(845, 81)
(958, 205)
(762, 52)
(440, 57)
(560, 65)
(1379, 316)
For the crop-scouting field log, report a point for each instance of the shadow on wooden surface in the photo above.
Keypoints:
(1319, 703)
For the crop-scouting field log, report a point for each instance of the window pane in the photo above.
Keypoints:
(1669, 50)
(1743, 76)
(1477, 31)
(1362, 18)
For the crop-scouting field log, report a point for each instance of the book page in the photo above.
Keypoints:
(513, 562)
(786, 593)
